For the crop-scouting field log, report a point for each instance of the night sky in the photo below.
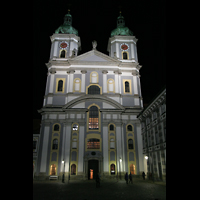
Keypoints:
(95, 20)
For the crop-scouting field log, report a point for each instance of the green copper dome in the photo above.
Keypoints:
(67, 28)
(121, 28)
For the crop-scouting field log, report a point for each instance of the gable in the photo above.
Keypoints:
(95, 56)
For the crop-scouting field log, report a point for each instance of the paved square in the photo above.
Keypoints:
(109, 189)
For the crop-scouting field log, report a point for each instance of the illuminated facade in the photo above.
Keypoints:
(91, 104)
(153, 120)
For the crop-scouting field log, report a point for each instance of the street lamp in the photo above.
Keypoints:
(63, 178)
(120, 168)
(146, 157)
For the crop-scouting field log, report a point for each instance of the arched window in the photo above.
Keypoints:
(53, 170)
(75, 127)
(94, 89)
(77, 85)
(130, 128)
(60, 86)
(55, 144)
(112, 169)
(93, 143)
(111, 85)
(132, 169)
(73, 169)
(94, 77)
(130, 144)
(63, 54)
(112, 128)
(127, 87)
(93, 118)
(125, 56)
(56, 127)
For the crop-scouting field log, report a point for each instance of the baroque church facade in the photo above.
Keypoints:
(91, 103)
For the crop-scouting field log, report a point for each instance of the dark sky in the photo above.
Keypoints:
(95, 20)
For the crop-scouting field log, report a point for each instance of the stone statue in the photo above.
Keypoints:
(94, 44)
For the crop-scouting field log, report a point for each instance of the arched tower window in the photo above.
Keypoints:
(63, 54)
(125, 56)
(127, 87)
(60, 86)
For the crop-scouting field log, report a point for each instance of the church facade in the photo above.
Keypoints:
(89, 116)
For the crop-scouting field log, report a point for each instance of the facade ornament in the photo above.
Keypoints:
(94, 44)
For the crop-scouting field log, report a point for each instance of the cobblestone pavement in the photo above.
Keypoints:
(109, 189)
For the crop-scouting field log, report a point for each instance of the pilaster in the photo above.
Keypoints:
(83, 81)
(105, 148)
(105, 81)
(44, 152)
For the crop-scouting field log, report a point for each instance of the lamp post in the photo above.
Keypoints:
(146, 157)
(120, 169)
(63, 178)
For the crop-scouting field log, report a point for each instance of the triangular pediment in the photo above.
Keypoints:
(95, 56)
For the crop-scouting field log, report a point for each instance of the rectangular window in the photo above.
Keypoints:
(93, 123)
(93, 144)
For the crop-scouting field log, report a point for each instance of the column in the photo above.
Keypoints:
(119, 144)
(105, 90)
(140, 91)
(135, 88)
(116, 82)
(123, 149)
(43, 165)
(52, 80)
(140, 148)
(67, 145)
(132, 51)
(71, 81)
(135, 84)
(117, 49)
(105, 149)
(83, 81)
(55, 52)
(81, 149)
(120, 87)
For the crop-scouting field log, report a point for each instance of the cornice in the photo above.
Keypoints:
(159, 100)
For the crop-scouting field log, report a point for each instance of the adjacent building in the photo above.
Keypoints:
(153, 120)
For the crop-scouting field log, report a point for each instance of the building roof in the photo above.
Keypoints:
(155, 101)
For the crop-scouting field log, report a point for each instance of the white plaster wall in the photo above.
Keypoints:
(43, 165)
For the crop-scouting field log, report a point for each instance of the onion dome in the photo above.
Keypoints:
(67, 28)
(121, 28)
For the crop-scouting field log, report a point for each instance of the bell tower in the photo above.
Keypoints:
(122, 43)
(65, 41)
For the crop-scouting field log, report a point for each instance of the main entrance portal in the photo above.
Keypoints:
(93, 169)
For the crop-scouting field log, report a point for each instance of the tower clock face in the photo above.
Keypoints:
(124, 47)
(64, 45)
